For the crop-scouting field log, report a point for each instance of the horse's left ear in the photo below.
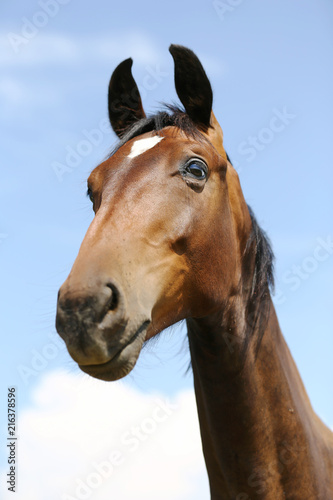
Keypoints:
(195, 92)
(124, 101)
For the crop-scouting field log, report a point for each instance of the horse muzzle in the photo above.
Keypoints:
(93, 320)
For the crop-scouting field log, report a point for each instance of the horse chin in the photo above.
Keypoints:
(122, 362)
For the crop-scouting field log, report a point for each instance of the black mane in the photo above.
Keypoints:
(258, 307)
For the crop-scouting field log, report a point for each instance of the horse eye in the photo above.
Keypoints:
(90, 195)
(196, 169)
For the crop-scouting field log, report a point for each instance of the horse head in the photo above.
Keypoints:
(170, 227)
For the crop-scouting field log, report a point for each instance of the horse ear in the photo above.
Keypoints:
(192, 85)
(124, 101)
(195, 92)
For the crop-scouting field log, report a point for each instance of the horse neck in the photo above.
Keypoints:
(256, 421)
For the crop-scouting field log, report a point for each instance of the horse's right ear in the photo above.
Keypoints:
(195, 92)
(124, 101)
(192, 86)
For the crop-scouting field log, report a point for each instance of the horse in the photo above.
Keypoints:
(173, 239)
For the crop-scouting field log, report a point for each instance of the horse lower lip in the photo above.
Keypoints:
(113, 359)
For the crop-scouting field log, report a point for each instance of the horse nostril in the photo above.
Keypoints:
(114, 297)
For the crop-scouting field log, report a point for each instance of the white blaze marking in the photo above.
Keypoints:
(142, 145)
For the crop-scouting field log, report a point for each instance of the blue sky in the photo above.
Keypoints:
(270, 65)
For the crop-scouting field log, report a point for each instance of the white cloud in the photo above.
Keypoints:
(54, 52)
(80, 430)
(55, 48)
(43, 49)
